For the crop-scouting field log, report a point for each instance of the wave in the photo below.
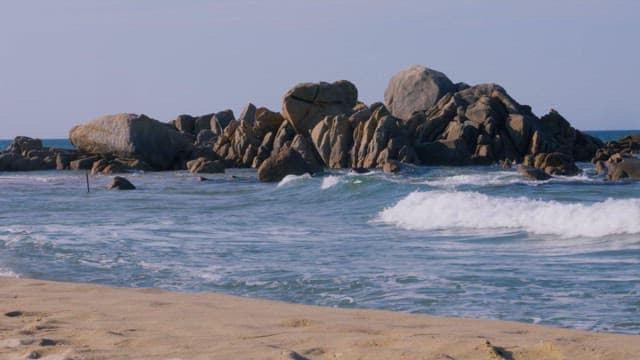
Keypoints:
(329, 181)
(441, 210)
(292, 178)
(7, 273)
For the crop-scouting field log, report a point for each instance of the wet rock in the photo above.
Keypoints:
(306, 104)
(556, 163)
(533, 173)
(120, 183)
(628, 168)
(286, 162)
(391, 167)
(415, 88)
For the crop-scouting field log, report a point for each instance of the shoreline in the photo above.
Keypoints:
(58, 320)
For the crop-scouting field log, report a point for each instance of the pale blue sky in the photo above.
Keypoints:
(66, 62)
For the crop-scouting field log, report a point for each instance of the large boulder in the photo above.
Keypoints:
(286, 162)
(131, 135)
(306, 104)
(415, 88)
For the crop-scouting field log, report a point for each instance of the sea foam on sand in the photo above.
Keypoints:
(436, 210)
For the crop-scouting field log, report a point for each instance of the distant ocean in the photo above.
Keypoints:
(475, 241)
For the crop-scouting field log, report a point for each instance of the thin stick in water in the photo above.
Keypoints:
(87, 177)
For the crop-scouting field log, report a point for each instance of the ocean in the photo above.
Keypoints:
(480, 242)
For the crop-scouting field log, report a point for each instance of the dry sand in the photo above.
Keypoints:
(50, 320)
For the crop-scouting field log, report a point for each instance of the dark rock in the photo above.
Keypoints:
(601, 167)
(359, 170)
(533, 173)
(185, 123)
(286, 162)
(133, 136)
(202, 122)
(23, 144)
(14, 313)
(305, 148)
(308, 103)
(120, 183)
(203, 165)
(628, 168)
(206, 137)
(48, 342)
(415, 88)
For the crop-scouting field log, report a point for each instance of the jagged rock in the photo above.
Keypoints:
(415, 88)
(286, 162)
(380, 139)
(264, 150)
(120, 183)
(333, 139)
(203, 165)
(220, 121)
(133, 136)
(601, 167)
(98, 166)
(248, 114)
(284, 136)
(23, 144)
(533, 173)
(628, 168)
(238, 144)
(306, 104)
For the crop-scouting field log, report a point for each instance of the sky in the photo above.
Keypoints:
(65, 62)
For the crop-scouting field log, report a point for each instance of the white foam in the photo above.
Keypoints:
(441, 210)
(7, 273)
(329, 181)
(291, 178)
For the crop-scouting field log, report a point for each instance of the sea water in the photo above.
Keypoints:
(479, 242)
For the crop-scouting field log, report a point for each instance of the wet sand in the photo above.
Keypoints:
(51, 320)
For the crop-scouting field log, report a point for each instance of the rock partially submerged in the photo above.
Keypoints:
(533, 173)
(120, 183)
(628, 168)
(286, 162)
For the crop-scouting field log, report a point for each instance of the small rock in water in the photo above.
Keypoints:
(120, 183)
(359, 170)
(202, 178)
(391, 167)
(533, 173)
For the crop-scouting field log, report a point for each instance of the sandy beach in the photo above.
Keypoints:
(52, 320)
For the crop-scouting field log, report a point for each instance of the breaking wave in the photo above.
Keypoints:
(440, 210)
